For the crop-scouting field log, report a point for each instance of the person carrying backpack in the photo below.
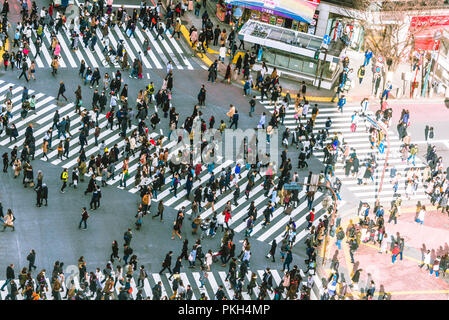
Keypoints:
(340, 237)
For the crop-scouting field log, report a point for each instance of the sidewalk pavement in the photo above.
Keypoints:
(3, 51)
(395, 278)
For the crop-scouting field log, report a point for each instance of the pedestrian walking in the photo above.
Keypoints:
(31, 258)
(64, 178)
(84, 217)
(272, 251)
(166, 264)
(61, 91)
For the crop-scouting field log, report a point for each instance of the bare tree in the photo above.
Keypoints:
(387, 26)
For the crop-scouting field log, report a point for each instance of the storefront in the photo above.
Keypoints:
(292, 52)
(297, 15)
(280, 21)
(341, 27)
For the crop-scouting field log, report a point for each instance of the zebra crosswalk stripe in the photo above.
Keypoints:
(150, 52)
(211, 285)
(66, 49)
(165, 50)
(44, 118)
(359, 141)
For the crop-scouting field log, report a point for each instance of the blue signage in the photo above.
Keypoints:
(381, 147)
(293, 186)
(259, 54)
(326, 39)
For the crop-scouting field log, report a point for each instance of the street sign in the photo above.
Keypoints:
(293, 186)
(326, 39)
(381, 147)
(379, 64)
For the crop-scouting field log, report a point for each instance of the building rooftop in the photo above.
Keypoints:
(298, 39)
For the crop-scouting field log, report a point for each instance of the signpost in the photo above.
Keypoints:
(381, 147)
(379, 65)
(324, 45)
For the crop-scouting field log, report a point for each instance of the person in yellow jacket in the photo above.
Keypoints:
(64, 178)
(54, 65)
(177, 28)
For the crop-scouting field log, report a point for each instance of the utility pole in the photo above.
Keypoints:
(317, 57)
(322, 67)
(436, 41)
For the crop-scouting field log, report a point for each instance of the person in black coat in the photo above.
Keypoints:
(38, 190)
(267, 279)
(91, 186)
(184, 253)
(95, 98)
(177, 268)
(5, 162)
(31, 259)
(220, 293)
(167, 262)
(202, 96)
(61, 91)
(5, 9)
(9, 276)
(157, 291)
(272, 251)
(102, 100)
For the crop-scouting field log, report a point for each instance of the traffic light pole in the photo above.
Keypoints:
(435, 43)
(322, 69)
(317, 54)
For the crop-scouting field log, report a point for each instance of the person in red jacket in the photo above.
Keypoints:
(197, 171)
(227, 217)
(310, 218)
(395, 253)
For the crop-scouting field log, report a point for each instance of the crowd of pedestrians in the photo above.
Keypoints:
(155, 166)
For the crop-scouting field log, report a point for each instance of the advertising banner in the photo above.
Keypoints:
(301, 10)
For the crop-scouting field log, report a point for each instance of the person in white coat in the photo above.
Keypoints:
(426, 260)
(384, 244)
(364, 106)
(421, 215)
(132, 144)
(222, 53)
(209, 259)
(220, 221)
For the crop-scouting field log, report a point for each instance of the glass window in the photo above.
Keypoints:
(295, 64)
(282, 60)
(327, 74)
(309, 66)
(275, 34)
(314, 43)
(268, 56)
(287, 36)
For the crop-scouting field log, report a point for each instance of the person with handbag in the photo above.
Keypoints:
(272, 251)
(61, 91)
(8, 221)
